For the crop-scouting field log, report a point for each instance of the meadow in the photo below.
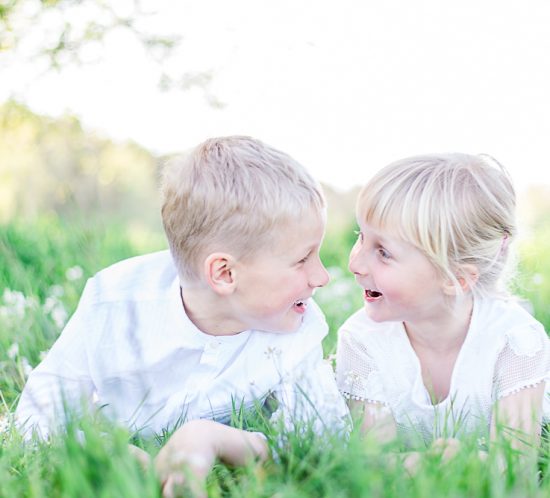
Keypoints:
(43, 267)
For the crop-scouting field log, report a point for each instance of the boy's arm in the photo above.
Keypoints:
(192, 450)
(62, 380)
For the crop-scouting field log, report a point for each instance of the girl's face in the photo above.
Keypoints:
(398, 280)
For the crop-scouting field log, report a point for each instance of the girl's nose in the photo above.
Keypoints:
(357, 263)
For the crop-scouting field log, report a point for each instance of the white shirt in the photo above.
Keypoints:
(130, 349)
(505, 350)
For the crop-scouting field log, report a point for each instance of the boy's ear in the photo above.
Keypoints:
(219, 270)
(467, 276)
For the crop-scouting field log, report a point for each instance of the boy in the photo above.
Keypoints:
(224, 318)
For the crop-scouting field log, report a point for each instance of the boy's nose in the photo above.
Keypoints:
(320, 276)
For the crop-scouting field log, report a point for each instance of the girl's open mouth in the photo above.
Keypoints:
(372, 295)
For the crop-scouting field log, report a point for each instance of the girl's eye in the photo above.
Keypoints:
(359, 235)
(303, 260)
(383, 253)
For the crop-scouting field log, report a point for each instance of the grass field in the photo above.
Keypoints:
(43, 268)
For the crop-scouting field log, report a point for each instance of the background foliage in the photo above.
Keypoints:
(72, 202)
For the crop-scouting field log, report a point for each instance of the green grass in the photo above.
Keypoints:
(43, 268)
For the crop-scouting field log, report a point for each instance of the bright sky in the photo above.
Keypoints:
(345, 87)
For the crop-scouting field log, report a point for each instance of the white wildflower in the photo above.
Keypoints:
(15, 302)
(74, 273)
(56, 291)
(335, 272)
(4, 423)
(31, 302)
(538, 279)
(26, 366)
(13, 297)
(351, 377)
(50, 304)
(13, 351)
(59, 316)
(54, 307)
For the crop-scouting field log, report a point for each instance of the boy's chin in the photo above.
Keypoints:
(287, 327)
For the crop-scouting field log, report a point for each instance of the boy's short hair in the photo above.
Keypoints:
(230, 194)
(456, 208)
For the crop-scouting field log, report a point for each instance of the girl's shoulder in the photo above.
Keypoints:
(507, 321)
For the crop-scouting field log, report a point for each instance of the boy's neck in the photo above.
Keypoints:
(207, 313)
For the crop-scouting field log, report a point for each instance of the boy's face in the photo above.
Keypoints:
(274, 284)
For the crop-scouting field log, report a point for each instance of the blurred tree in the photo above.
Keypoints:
(59, 33)
(53, 165)
(534, 207)
(62, 30)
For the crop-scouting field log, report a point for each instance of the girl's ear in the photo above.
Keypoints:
(219, 270)
(467, 276)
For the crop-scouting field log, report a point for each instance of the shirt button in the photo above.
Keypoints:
(213, 344)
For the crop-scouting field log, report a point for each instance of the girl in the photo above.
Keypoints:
(439, 349)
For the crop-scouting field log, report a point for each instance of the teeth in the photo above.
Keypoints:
(299, 303)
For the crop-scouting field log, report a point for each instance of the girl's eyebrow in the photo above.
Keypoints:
(384, 240)
(377, 235)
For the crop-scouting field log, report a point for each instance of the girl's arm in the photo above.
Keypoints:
(518, 417)
(374, 419)
(519, 383)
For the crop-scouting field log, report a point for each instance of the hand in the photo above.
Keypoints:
(187, 457)
(191, 452)
(143, 458)
(447, 448)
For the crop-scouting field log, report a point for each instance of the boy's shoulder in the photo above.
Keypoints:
(140, 277)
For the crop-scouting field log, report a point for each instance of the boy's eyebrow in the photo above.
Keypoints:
(308, 249)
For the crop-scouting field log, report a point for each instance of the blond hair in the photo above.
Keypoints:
(230, 194)
(456, 208)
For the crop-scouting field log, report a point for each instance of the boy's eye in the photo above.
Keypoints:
(383, 253)
(304, 259)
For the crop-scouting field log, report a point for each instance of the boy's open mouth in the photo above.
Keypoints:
(300, 306)
(372, 295)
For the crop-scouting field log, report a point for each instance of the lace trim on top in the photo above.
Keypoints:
(517, 389)
(355, 397)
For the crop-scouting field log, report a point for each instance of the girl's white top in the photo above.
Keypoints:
(505, 350)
